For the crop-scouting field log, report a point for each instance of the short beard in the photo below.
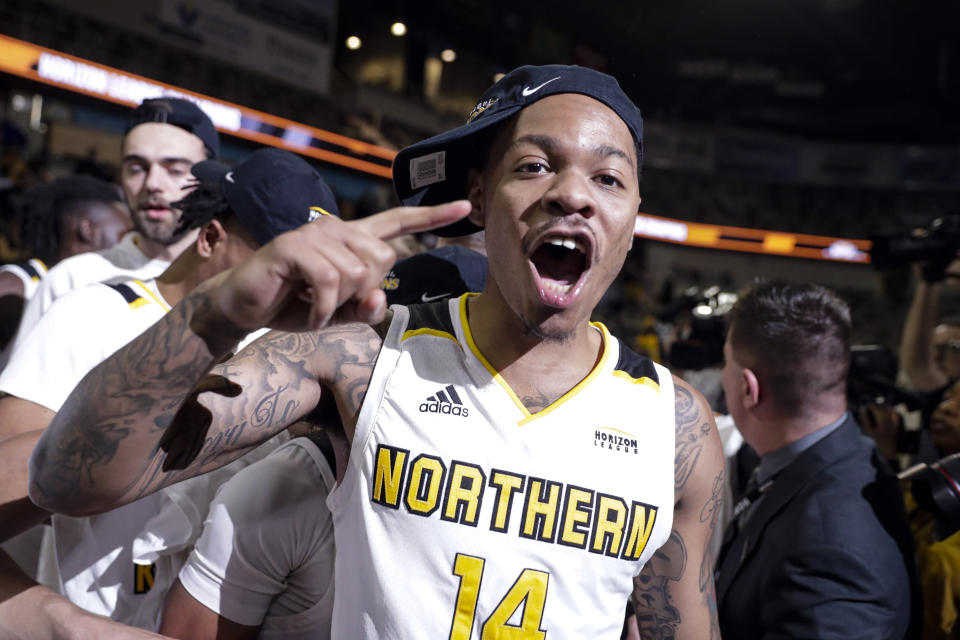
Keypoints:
(158, 234)
(531, 331)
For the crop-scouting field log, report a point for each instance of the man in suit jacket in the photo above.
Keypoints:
(820, 547)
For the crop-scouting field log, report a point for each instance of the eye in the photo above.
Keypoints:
(176, 172)
(132, 169)
(533, 167)
(609, 180)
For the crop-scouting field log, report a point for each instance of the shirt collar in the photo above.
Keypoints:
(777, 460)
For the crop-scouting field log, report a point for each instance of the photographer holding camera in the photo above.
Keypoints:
(930, 369)
(930, 351)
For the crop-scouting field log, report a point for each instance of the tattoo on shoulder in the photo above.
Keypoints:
(692, 428)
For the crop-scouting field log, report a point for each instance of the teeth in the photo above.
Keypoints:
(567, 243)
(556, 287)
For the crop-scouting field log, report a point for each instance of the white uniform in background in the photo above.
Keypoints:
(461, 515)
(30, 272)
(122, 260)
(120, 563)
(265, 557)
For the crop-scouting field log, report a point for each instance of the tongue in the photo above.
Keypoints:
(558, 264)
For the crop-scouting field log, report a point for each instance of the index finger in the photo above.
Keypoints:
(403, 220)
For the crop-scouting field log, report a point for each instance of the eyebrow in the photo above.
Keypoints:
(136, 158)
(551, 144)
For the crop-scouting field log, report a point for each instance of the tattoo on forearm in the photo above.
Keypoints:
(692, 427)
(140, 389)
(657, 615)
(268, 403)
(97, 429)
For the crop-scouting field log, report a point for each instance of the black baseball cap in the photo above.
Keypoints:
(437, 274)
(435, 170)
(271, 191)
(180, 113)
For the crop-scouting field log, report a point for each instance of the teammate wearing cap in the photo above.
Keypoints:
(532, 501)
(164, 137)
(122, 562)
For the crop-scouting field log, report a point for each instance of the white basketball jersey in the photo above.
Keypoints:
(30, 272)
(463, 516)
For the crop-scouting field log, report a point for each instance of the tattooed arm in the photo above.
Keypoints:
(145, 433)
(116, 438)
(674, 595)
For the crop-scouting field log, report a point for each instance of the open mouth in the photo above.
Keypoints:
(560, 263)
(156, 211)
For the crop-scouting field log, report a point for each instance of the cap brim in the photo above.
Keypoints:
(457, 165)
(209, 171)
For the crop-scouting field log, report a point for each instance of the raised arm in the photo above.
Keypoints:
(674, 595)
(916, 344)
(110, 442)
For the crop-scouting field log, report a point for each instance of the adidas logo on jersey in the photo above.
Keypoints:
(445, 401)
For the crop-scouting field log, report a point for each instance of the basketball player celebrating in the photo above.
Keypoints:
(533, 500)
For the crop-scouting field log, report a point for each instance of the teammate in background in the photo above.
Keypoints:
(29, 611)
(164, 137)
(539, 508)
(121, 563)
(263, 566)
(68, 216)
(456, 265)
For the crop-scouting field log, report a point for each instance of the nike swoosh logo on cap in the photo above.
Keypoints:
(229, 176)
(527, 91)
(426, 298)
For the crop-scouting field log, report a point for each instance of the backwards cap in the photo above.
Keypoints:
(270, 192)
(435, 170)
(180, 113)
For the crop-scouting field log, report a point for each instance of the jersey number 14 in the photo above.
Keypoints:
(529, 591)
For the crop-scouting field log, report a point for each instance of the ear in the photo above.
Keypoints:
(211, 236)
(475, 192)
(86, 231)
(750, 389)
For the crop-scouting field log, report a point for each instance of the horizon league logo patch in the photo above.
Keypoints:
(615, 440)
(446, 401)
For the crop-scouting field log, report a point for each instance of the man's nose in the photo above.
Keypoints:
(154, 180)
(569, 193)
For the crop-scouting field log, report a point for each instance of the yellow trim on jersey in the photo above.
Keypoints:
(320, 210)
(429, 332)
(649, 382)
(139, 302)
(529, 417)
(160, 302)
(626, 433)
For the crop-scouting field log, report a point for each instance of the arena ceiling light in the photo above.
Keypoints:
(398, 29)
(354, 43)
(448, 55)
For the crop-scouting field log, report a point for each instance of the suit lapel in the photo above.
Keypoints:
(807, 466)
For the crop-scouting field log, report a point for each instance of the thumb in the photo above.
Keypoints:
(371, 309)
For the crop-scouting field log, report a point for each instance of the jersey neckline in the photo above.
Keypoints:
(528, 417)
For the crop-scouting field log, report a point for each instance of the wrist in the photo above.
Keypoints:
(209, 323)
